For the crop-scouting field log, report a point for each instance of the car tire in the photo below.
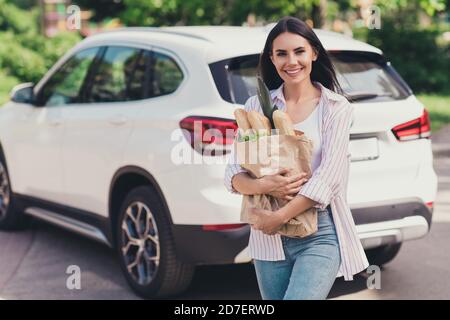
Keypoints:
(145, 247)
(384, 254)
(11, 218)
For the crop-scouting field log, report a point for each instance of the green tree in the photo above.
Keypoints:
(199, 12)
(412, 48)
(15, 19)
(24, 53)
(102, 9)
(23, 4)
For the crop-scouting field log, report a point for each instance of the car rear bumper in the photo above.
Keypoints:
(197, 246)
(389, 210)
(389, 222)
(373, 235)
(377, 224)
(377, 234)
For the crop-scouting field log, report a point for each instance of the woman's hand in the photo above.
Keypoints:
(269, 222)
(281, 186)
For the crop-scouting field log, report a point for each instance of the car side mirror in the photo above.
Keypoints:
(23, 93)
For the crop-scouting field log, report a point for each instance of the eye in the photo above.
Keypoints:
(280, 54)
(299, 51)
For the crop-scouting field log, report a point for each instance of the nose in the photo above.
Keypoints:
(292, 59)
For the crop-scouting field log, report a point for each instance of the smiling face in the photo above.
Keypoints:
(292, 56)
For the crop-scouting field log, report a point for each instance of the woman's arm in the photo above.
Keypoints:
(327, 179)
(270, 222)
(292, 208)
(245, 184)
(277, 185)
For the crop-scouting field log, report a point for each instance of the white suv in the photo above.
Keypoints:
(92, 148)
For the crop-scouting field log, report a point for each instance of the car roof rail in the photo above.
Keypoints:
(156, 30)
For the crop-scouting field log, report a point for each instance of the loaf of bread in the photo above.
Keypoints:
(283, 123)
(241, 118)
(259, 122)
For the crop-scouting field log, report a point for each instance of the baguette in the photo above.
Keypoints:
(283, 123)
(241, 119)
(259, 122)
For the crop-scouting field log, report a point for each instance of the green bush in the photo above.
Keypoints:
(438, 107)
(28, 56)
(415, 54)
(18, 61)
(17, 20)
(24, 53)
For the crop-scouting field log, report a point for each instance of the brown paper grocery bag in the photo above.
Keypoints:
(268, 155)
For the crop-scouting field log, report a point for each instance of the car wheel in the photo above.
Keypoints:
(145, 247)
(10, 217)
(384, 254)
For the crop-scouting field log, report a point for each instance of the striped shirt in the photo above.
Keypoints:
(326, 186)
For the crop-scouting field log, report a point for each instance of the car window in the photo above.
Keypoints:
(166, 75)
(119, 76)
(235, 78)
(65, 85)
(365, 76)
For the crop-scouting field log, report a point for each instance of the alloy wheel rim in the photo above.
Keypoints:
(4, 191)
(140, 243)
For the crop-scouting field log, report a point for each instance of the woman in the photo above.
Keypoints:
(297, 69)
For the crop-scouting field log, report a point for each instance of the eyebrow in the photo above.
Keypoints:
(281, 50)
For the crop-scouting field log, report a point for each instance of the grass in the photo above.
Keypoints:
(438, 106)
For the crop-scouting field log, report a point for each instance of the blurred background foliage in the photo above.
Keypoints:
(25, 54)
(414, 34)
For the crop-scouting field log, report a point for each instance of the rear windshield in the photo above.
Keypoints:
(363, 76)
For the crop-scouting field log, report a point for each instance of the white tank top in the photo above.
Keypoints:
(310, 126)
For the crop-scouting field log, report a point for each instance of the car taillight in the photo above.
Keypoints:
(414, 129)
(221, 227)
(208, 133)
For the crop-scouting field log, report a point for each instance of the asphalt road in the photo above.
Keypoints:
(33, 262)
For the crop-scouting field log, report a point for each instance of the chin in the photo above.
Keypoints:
(293, 80)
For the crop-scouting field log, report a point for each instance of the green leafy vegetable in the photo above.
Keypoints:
(265, 101)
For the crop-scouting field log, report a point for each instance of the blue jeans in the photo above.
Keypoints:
(310, 268)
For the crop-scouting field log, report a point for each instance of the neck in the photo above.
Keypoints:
(299, 91)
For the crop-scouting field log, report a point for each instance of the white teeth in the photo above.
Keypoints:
(293, 71)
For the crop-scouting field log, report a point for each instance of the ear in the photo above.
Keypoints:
(315, 55)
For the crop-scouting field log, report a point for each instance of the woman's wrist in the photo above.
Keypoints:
(283, 215)
(294, 207)
(246, 184)
(261, 185)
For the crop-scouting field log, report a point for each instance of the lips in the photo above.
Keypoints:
(293, 72)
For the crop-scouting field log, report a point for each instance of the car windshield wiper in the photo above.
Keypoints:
(359, 96)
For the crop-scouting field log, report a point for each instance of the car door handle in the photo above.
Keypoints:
(118, 120)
